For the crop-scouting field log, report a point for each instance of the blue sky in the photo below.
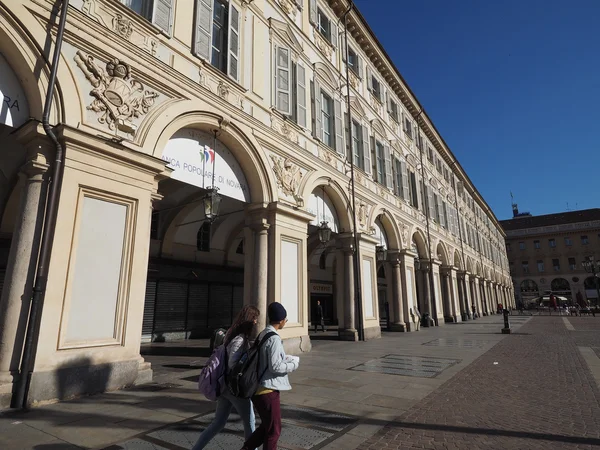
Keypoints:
(513, 86)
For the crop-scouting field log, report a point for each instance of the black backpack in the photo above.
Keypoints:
(243, 378)
(217, 338)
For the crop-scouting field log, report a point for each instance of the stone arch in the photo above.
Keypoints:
(246, 151)
(478, 270)
(420, 241)
(442, 253)
(469, 265)
(327, 75)
(336, 195)
(377, 126)
(390, 227)
(458, 262)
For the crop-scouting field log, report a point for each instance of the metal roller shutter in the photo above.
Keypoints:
(171, 305)
(149, 302)
(219, 307)
(198, 307)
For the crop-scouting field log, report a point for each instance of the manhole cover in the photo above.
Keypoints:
(410, 366)
(462, 343)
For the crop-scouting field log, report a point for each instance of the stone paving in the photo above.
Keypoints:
(533, 390)
(436, 388)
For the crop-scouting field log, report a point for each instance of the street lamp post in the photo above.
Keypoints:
(592, 266)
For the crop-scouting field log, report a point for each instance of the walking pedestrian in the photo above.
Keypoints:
(236, 343)
(474, 311)
(320, 320)
(274, 365)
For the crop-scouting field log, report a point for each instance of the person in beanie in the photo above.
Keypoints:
(320, 320)
(274, 364)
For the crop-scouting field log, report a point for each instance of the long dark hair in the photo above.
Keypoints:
(243, 324)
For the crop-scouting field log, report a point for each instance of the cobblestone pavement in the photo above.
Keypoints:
(533, 390)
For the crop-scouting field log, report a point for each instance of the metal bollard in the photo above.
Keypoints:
(506, 329)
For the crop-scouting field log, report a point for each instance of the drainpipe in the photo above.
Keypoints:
(41, 275)
(431, 285)
(349, 155)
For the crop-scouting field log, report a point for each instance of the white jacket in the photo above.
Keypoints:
(274, 364)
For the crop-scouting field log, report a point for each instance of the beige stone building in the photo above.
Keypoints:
(157, 102)
(546, 253)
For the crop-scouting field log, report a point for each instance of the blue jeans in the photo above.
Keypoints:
(226, 401)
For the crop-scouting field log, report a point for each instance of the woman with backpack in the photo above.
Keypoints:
(236, 343)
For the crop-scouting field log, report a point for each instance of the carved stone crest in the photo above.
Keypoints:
(123, 26)
(283, 128)
(323, 46)
(404, 233)
(326, 156)
(362, 214)
(289, 7)
(119, 97)
(222, 90)
(288, 177)
(353, 80)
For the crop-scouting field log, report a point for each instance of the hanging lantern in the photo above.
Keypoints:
(212, 201)
(381, 253)
(324, 233)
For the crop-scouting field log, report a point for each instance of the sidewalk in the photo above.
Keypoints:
(344, 393)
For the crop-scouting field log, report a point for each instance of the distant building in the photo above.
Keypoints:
(545, 253)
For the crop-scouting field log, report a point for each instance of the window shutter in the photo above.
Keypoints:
(430, 201)
(445, 215)
(203, 29)
(366, 149)
(318, 116)
(374, 159)
(233, 56)
(389, 180)
(343, 46)
(333, 35)
(359, 65)
(339, 128)
(405, 188)
(369, 79)
(282, 80)
(312, 5)
(301, 95)
(299, 3)
(162, 15)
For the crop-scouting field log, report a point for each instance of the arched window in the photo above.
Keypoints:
(529, 287)
(323, 261)
(560, 284)
(203, 238)
(589, 283)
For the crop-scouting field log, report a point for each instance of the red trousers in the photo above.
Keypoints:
(267, 434)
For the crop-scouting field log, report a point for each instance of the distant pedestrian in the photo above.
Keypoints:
(274, 365)
(474, 311)
(320, 320)
(236, 343)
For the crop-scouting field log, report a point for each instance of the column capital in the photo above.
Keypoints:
(34, 169)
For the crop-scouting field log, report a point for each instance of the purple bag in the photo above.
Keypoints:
(212, 376)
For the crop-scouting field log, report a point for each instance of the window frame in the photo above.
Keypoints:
(540, 266)
(327, 98)
(319, 26)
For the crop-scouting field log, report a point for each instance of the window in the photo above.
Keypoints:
(402, 181)
(525, 266)
(552, 243)
(376, 87)
(240, 248)
(203, 238)
(414, 198)
(429, 154)
(299, 94)
(556, 265)
(327, 119)
(380, 162)
(584, 240)
(420, 142)
(408, 127)
(572, 264)
(357, 148)
(393, 110)
(536, 244)
(508, 246)
(217, 35)
(290, 86)
(158, 12)
(568, 241)
(540, 265)
(324, 25)
(521, 245)
(353, 62)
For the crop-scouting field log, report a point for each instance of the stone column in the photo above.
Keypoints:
(426, 289)
(462, 295)
(455, 292)
(260, 271)
(449, 312)
(409, 288)
(467, 292)
(398, 323)
(22, 261)
(348, 332)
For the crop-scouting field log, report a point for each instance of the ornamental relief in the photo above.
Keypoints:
(284, 129)
(119, 98)
(121, 26)
(322, 44)
(289, 176)
(289, 7)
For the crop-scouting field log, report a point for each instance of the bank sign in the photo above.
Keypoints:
(14, 110)
(191, 155)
